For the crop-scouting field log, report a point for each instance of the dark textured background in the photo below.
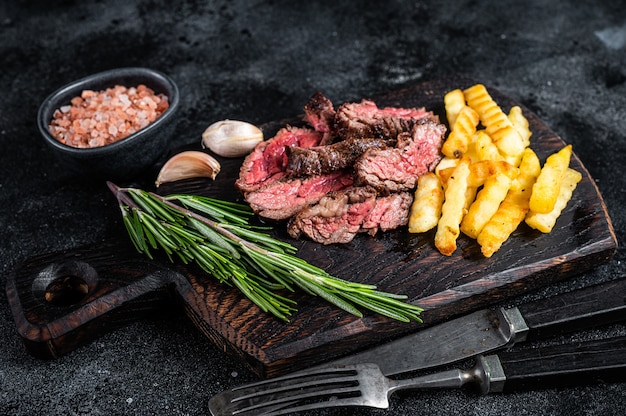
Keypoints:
(261, 60)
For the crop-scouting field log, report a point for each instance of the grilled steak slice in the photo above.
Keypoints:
(390, 212)
(340, 216)
(268, 161)
(365, 119)
(319, 112)
(336, 218)
(281, 199)
(397, 169)
(323, 159)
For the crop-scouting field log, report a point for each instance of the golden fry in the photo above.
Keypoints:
(497, 124)
(480, 171)
(509, 143)
(454, 101)
(529, 168)
(486, 204)
(446, 163)
(445, 174)
(470, 196)
(453, 209)
(546, 188)
(471, 150)
(513, 209)
(460, 137)
(491, 115)
(426, 207)
(546, 221)
(486, 149)
(500, 226)
(520, 123)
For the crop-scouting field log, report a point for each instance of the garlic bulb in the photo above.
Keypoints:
(188, 164)
(231, 138)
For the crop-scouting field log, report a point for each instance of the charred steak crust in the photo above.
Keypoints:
(319, 113)
(323, 159)
(365, 119)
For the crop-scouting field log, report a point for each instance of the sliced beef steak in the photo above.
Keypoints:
(336, 218)
(268, 161)
(319, 113)
(281, 199)
(351, 171)
(397, 169)
(365, 119)
(323, 159)
(391, 211)
(340, 216)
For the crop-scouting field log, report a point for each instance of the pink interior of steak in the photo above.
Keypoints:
(397, 169)
(281, 199)
(269, 160)
(319, 112)
(390, 212)
(336, 218)
(340, 215)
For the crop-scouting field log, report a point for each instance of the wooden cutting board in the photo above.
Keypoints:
(63, 300)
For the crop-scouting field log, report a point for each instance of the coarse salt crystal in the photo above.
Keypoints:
(124, 99)
(97, 118)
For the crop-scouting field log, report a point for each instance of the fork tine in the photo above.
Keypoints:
(273, 406)
(289, 391)
(302, 393)
(332, 386)
(352, 401)
(309, 377)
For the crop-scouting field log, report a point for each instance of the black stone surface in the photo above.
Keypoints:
(259, 61)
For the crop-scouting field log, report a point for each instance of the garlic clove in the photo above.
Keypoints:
(231, 138)
(188, 164)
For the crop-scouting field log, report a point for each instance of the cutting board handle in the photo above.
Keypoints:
(61, 301)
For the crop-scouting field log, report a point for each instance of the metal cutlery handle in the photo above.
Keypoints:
(595, 305)
(563, 365)
(532, 368)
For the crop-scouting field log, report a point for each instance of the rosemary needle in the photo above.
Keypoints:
(216, 235)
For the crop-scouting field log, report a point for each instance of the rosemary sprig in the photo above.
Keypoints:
(216, 235)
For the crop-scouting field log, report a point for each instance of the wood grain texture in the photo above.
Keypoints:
(124, 286)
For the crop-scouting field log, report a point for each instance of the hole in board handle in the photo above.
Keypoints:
(65, 284)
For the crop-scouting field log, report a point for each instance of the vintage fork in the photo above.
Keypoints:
(366, 385)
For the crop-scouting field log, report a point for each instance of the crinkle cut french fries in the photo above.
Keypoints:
(489, 180)
(544, 222)
(453, 208)
(426, 210)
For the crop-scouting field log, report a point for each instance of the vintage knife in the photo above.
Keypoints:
(489, 330)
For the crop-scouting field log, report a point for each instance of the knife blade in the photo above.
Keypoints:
(488, 330)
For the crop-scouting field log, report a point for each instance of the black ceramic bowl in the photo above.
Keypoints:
(127, 157)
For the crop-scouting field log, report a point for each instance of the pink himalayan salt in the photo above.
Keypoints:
(99, 118)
